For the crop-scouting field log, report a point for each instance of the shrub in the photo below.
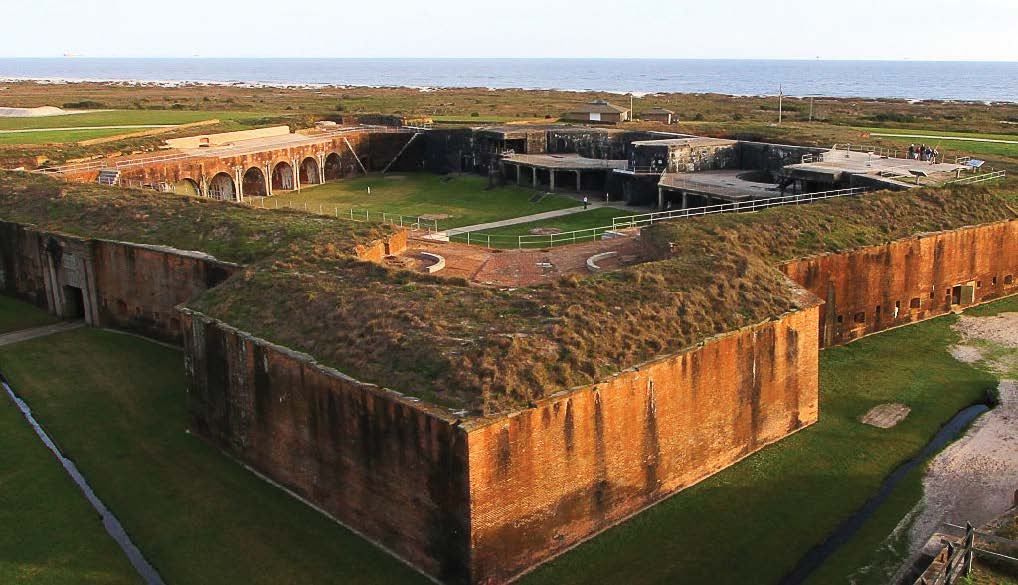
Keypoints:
(84, 105)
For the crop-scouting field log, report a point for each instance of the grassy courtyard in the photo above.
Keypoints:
(509, 236)
(99, 124)
(454, 200)
(50, 534)
(115, 405)
(192, 511)
(15, 315)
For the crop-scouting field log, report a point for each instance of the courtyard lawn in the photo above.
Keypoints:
(508, 237)
(132, 117)
(115, 404)
(49, 534)
(968, 147)
(455, 200)
(58, 136)
(752, 522)
(16, 315)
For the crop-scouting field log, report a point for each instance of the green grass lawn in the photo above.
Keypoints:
(131, 117)
(61, 136)
(16, 314)
(115, 404)
(50, 535)
(955, 146)
(463, 198)
(752, 522)
(508, 237)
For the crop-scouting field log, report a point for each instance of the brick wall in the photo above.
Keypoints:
(387, 466)
(124, 286)
(547, 477)
(874, 288)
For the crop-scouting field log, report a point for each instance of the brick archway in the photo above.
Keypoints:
(309, 171)
(333, 167)
(187, 186)
(282, 177)
(221, 187)
(254, 182)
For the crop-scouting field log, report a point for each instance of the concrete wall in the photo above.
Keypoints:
(547, 477)
(125, 286)
(221, 138)
(771, 157)
(878, 287)
(387, 466)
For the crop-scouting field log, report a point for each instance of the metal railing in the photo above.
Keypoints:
(868, 149)
(742, 206)
(365, 215)
(981, 178)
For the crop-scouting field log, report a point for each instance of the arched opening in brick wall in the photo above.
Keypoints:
(282, 177)
(221, 187)
(187, 187)
(254, 182)
(333, 167)
(309, 171)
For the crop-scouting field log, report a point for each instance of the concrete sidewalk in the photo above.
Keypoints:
(518, 220)
(26, 334)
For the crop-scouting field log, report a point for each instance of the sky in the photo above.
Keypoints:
(932, 30)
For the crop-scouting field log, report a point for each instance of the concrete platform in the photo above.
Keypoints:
(723, 184)
(838, 163)
(564, 162)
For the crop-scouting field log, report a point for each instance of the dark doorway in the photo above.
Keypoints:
(956, 295)
(74, 303)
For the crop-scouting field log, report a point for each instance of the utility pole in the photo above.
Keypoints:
(630, 105)
(780, 103)
(811, 109)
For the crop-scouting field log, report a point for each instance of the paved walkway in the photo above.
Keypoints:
(529, 218)
(26, 334)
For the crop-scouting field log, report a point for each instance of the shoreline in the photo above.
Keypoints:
(199, 83)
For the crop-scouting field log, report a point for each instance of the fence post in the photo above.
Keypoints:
(970, 538)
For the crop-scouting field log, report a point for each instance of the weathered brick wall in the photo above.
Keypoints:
(124, 286)
(138, 287)
(387, 466)
(379, 249)
(547, 477)
(874, 288)
(22, 264)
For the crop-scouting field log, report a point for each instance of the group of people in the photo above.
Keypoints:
(923, 153)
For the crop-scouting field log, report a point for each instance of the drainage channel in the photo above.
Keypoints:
(841, 535)
(110, 521)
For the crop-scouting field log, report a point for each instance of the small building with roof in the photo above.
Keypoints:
(658, 114)
(598, 111)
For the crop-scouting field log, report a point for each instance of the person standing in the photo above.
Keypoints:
(585, 202)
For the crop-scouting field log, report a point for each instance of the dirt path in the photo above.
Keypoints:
(975, 479)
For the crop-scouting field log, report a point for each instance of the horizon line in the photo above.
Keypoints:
(72, 56)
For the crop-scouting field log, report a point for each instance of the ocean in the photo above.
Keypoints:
(915, 80)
